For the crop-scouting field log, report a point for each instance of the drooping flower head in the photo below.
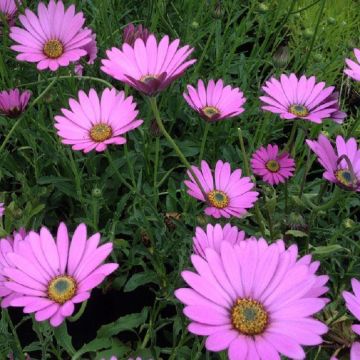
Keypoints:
(303, 98)
(13, 102)
(274, 168)
(253, 300)
(353, 69)
(131, 33)
(216, 101)
(54, 37)
(7, 245)
(214, 236)
(148, 66)
(2, 209)
(94, 123)
(51, 276)
(342, 166)
(91, 54)
(226, 193)
(353, 304)
(8, 10)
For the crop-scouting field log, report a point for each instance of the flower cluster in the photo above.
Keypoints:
(254, 298)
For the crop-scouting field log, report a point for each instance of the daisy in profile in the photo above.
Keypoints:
(8, 10)
(8, 245)
(148, 66)
(342, 165)
(215, 101)
(93, 123)
(51, 285)
(303, 98)
(91, 54)
(274, 168)
(214, 236)
(13, 102)
(353, 304)
(226, 193)
(132, 32)
(51, 38)
(353, 69)
(253, 301)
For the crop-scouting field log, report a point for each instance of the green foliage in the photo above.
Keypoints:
(151, 225)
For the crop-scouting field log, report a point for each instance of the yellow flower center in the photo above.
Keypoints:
(210, 111)
(299, 110)
(62, 288)
(273, 166)
(147, 78)
(345, 177)
(53, 49)
(100, 132)
(249, 317)
(218, 199)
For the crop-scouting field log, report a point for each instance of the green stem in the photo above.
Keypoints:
(131, 170)
(117, 172)
(286, 198)
(64, 77)
(156, 168)
(258, 214)
(168, 137)
(308, 163)
(15, 336)
(17, 122)
(315, 33)
(291, 140)
(203, 141)
(79, 313)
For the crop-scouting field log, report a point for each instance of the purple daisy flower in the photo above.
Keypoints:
(303, 98)
(274, 168)
(254, 300)
(354, 68)
(214, 236)
(13, 102)
(342, 166)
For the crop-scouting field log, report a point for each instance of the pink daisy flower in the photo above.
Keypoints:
(215, 102)
(274, 168)
(13, 102)
(2, 209)
(52, 38)
(51, 285)
(8, 10)
(8, 245)
(95, 123)
(148, 66)
(342, 166)
(91, 51)
(227, 193)
(252, 300)
(354, 68)
(214, 236)
(294, 98)
(353, 304)
(131, 33)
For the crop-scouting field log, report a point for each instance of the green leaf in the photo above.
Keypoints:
(64, 339)
(92, 346)
(296, 233)
(127, 322)
(140, 279)
(327, 250)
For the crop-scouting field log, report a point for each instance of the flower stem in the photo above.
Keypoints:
(6, 315)
(258, 214)
(203, 141)
(79, 313)
(168, 137)
(291, 140)
(8, 136)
